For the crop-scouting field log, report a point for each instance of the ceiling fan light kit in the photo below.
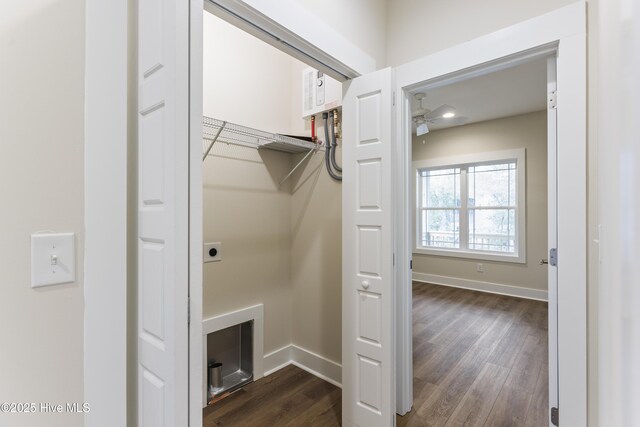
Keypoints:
(441, 116)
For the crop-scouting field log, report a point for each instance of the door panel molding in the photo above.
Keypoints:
(163, 207)
(368, 365)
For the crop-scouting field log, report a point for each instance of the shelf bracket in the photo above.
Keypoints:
(313, 150)
(213, 141)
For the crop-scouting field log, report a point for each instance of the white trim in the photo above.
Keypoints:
(290, 27)
(562, 31)
(552, 232)
(254, 313)
(457, 253)
(309, 361)
(472, 158)
(277, 360)
(476, 285)
(317, 365)
(466, 160)
(197, 371)
(105, 205)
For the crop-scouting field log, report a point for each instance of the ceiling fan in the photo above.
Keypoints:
(443, 115)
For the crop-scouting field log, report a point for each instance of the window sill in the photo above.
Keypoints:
(485, 256)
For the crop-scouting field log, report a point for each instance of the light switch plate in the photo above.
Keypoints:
(53, 259)
(212, 252)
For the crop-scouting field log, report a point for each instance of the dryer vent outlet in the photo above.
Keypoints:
(212, 252)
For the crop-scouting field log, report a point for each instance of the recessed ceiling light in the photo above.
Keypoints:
(448, 115)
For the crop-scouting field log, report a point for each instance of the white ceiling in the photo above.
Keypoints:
(516, 90)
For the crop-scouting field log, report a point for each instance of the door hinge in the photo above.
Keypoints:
(553, 256)
(394, 99)
(553, 100)
(555, 416)
(410, 264)
(189, 311)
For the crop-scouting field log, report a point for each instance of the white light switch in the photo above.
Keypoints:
(53, 259)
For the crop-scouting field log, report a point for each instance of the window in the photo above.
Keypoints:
(472, 206)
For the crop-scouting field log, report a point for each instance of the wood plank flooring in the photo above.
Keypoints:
(290, 397)
(479, 360)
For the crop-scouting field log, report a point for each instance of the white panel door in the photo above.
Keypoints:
(163, 213)
(552, 237)
(368, 379)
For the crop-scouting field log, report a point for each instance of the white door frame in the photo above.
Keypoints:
(284, 18)
(105, 201)
(563, 30)
(196, 208)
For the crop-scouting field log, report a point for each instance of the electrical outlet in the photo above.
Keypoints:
(480, 268)
(212, 252)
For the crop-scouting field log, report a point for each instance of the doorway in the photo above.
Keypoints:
(480, 227)
(479, 57)
(271, 228)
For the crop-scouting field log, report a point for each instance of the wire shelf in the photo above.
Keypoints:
(231, 133)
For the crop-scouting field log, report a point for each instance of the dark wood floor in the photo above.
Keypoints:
(289, 397)
(479, 360)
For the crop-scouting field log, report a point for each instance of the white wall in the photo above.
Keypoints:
(316, 259)
(41, 171)
(316, 247)
(246, 211)
(246, 81)
(416, 28)
(363, 22)
(281, 245)
(528, 131)
(618, 153)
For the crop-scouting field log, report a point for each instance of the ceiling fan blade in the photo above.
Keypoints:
(438, 112)
(458, 120)
(453, 121)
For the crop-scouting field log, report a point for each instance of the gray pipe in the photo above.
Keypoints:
(334, 144)
(327, 150)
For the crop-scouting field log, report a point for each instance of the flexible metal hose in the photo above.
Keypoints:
(327, 150)
(334, 144)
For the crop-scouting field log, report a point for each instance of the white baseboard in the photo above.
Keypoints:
(315, 364)
(493, 288)
(276, 360)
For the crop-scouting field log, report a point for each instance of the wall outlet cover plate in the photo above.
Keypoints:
(53, 259)
(212, 252)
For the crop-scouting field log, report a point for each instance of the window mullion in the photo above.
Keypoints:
(464, 216)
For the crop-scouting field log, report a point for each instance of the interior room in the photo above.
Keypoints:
(272, 254)
(479, 256)
(178, 245)
(272, 214)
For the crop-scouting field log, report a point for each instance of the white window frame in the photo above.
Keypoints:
(464, 161)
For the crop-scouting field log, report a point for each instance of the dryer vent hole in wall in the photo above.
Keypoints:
(229, 360)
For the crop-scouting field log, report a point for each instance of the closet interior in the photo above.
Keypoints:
(272, 212)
